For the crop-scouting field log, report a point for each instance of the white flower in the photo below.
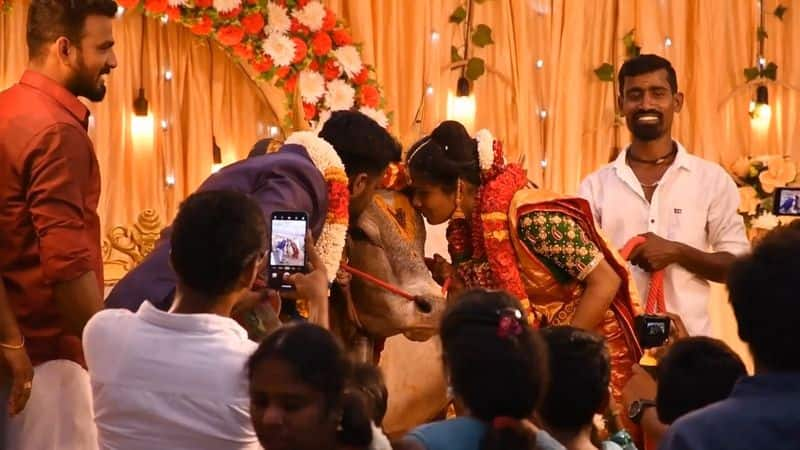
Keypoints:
(485, 149)
(176, 3)
(324, 115)
(311, 85)
(349, 60)
(278, 20)
(330, 247)
(280, 48)
(311, 15)
(224, 6)
(765, 221)
(322, 153)
(340, 95)
(375, 114)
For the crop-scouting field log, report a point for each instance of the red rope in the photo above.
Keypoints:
(367, 277)
(655, 295)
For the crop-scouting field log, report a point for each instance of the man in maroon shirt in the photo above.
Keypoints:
(50, 258)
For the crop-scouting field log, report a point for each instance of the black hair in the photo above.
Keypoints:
(648, 63)
(367, 380)
(497, 370)
(319, 361)
(763, 293)
(580, 370)
(447, 154)
(363, 145)
(50, 19)
(215, 236)
(695, 372)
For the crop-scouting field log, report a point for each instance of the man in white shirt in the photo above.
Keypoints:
(177, 380)
(684, 206)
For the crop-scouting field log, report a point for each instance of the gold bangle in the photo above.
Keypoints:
(14, 347)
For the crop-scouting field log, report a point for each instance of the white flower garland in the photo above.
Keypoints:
(485, 149)
(330, 244)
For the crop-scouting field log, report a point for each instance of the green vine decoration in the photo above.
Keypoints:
(605, 72)
(764, 69)
(480, 36)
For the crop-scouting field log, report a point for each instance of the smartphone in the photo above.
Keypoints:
(786, 202)
(287, 254)
(652, 330)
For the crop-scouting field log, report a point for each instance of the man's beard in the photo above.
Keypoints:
(84, 84)
(647, 131)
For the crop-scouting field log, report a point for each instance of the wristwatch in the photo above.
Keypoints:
(637, 409)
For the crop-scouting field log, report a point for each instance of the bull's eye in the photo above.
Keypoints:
(359, 235)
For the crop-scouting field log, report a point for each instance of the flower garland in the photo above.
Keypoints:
(289, 42)
(331, 242)
(488, 231)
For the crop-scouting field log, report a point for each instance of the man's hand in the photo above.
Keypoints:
(19, 367)
(440, 268)
(313, 286)
(656, 253)
(255, 297)
(640, 386)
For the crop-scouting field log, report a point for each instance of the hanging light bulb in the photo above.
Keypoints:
(429, 90)
(274, 131)
(667, 42)
(760, 111)
(461, 105)
(168, 75)
(164, 19)
(142, 122)
(170, 180)
(539, 63)
(120, 11)
(216, 154)
(435, 36)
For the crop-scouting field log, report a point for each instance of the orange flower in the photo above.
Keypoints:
(290, 84)
(253, 23)
(314, 65)
(329, 21)
(232, 13)
(263, 64)
(779, 173)
(156, 6)
(203, 27)
(321, 43)
(203, 3)
(174, 13)
(244, 51)
(300, 50)
(361, 77)
(230, 35)
(748, 200)
(369, 96)
(127, 4)
(342, 37)
(309, 110)
(331, 70)
(283, 72)
(298, 28)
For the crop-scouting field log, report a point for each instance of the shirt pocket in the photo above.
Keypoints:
(686, 223)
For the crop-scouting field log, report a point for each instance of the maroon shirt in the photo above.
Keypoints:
(49, 190)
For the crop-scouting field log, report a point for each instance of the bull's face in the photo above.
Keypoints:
(388, 243)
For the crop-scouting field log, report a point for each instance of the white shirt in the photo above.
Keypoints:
(695, 203)
(169, 381)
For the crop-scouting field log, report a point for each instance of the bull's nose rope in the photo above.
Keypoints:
(388, 286)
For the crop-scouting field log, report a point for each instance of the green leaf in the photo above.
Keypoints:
(751, 73)
(771, 71)
(605, 72)
(780, 10)
(458, 15)
(455, 55)
(475, 68)
(761, 33)
(482, 36)
(628, 39)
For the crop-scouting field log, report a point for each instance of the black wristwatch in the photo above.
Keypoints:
(637, 409)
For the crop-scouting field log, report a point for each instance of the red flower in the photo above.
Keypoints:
(263, 64)
(331, 70)
(244, 51)
(283, 72)
(329, 21)
(321, 43)
(156, 6)
(174, 13)
(309, 110)
(369, 96)
(127, 4)
(203, 27)
(298, 28)
(253, 23)
(300, 50)
(314, 65)
(342, 37)
(290, 84)
(203, 3)
(361, 77)
(338, 195)
(230, 35)
(301, 3)
(232, 13)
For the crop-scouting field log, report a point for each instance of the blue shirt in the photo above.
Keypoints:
(466, 433)
(762, 412)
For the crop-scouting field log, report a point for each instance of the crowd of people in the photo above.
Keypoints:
(539, 339)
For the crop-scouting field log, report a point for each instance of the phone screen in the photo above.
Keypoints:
(787, 202)
(288, 244)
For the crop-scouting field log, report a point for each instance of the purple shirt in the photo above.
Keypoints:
(282, 181)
